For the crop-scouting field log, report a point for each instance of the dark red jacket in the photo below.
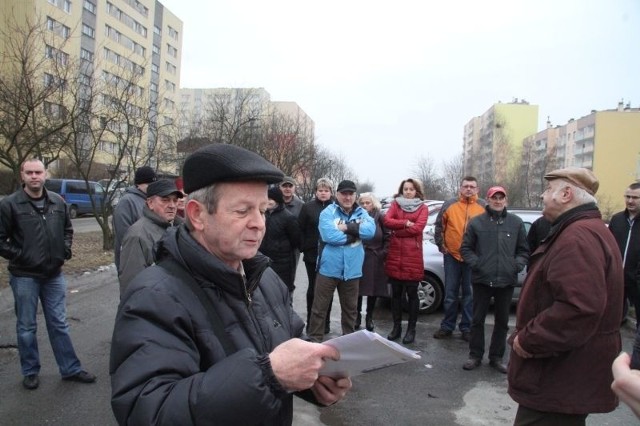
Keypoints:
(404, 259)
(568, 318)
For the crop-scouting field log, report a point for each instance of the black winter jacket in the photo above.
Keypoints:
(167, 364)
(308, 220)
(495, 247)
(281, 243)
(35, 244)
(628, 237)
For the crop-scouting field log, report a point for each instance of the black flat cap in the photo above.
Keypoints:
(226, 163)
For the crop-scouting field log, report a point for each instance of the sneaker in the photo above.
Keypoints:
(82, 377)
(442, 334)
(498, 365)
(471, 364)
(31, 381)
(466, 336)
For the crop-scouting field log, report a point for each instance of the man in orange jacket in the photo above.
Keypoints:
(451, 224)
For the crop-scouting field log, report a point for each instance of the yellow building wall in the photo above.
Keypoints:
(616, 158)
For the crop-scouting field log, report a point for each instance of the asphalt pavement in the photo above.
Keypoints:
(431, 391)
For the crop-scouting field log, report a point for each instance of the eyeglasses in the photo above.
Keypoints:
(497, 197)
(286, 185)
(632, 197)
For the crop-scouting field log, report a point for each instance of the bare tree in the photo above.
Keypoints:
(33, 84)
(432, 182)
(453, 172)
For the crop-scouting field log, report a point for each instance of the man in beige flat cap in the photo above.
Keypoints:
(568, 320)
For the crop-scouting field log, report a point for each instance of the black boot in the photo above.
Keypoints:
(396, 314)
(413, 319)
(369, 322)
(411, 334)
(358, 321)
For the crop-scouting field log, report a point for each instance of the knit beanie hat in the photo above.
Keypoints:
(144, 174)
(275, 194)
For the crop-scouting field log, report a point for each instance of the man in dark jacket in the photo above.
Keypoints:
(208, 335)
(129, 208)
(495, 247)
(310, 236)
(568, 320)
(138, 246)
(36, 236)
(625, 227)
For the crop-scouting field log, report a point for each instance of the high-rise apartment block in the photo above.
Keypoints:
(493, 141)
(135, 44)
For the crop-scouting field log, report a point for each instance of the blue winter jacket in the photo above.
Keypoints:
(340, 253)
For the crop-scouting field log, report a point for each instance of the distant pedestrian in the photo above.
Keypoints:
(281, 239)
(625, 227)
(310, 236)
(404, 266)
(374, 281)
(451, 224)
(568, 319)
(36, 236)
(495, 248)
(292, 202)
(343, 226)
(129, 208)
(537, 233)
(139, 243)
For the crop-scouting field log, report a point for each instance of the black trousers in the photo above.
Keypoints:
(530, 417)
(482, 295)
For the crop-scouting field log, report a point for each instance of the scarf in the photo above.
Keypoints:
(409, 205)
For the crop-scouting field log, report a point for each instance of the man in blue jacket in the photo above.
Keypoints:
(343, 225)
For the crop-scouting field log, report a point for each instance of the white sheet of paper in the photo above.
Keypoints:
(364, 351)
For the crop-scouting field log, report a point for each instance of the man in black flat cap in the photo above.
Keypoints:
(208, 334)
(138, 245)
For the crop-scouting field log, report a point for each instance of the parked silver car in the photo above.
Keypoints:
(431, 288)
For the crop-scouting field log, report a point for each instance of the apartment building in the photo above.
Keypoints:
(492, 142)
(607, 142)
(133, 44)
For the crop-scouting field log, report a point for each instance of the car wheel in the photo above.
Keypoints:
(430, 294)
(73, 212)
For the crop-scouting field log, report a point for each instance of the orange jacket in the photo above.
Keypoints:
(452, 221)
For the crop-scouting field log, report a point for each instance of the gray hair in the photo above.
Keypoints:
(376, 203)
(324, 182)
(208, 196)
(581, 196)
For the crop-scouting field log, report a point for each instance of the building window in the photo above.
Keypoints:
(173, 33)
(155, 68)
(58, 28)
(156, 49)
(90, 7)
(88, 31)
(157, 30)
(172, 51)
(86, 55)
(171, 69)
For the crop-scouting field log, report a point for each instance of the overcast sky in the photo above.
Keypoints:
(389, 82)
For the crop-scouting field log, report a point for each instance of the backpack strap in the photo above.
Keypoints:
(181, 274)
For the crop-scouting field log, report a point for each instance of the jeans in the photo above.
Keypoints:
(457, 275)
(482, 295)
(348, 294)
(52, 293)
